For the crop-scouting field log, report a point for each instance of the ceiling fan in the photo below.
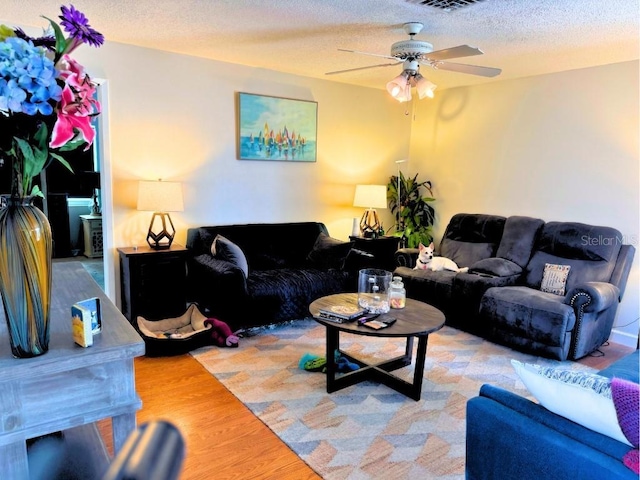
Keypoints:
(412, 54)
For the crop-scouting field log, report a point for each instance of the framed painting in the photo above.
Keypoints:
(276, 129)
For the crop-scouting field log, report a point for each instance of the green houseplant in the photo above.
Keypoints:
(413, 213)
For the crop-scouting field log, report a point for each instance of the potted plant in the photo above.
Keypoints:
(413, 212)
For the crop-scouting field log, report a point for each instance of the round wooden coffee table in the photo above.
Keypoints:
(417, 319)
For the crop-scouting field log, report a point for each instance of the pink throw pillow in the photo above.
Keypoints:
(626, 399)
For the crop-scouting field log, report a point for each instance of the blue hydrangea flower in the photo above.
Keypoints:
(11, 96)
(27, 78)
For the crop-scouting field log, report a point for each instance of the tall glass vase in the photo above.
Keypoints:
(25, 275)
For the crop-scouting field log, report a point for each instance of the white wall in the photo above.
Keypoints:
(560, 147)
(174, 117)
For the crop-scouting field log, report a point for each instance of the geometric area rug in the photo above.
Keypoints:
(366, 431)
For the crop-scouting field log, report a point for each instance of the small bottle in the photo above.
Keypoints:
(397, 293)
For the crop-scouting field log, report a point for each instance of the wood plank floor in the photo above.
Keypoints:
(224, 440)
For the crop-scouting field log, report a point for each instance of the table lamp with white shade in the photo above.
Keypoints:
(370, 197)
(160, 198)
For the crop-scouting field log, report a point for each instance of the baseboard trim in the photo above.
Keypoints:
(623, 338)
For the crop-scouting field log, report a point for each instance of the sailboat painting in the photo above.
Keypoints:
(278, 129)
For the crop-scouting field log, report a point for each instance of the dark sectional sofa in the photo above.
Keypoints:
(289, 266)
(509, 436)
(500, 297)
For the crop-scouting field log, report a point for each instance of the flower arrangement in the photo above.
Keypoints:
(47, 100)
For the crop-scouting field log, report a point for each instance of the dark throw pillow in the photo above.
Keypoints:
(224, 249)
(328, 252)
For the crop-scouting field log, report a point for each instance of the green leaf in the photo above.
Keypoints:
(72, 145)
(34, 167)
(36, 192)
(42, 135)
(62, 161)
(61, 42)
(25, 148)
(6, 32)
(33, 160)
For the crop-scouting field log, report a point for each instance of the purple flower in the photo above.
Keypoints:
(77, 25)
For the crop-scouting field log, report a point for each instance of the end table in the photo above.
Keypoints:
(92, 228)
(153, 282)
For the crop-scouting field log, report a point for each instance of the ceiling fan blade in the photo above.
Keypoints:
(362, 68)
(454, 52)
(370, 54)
(471, 69)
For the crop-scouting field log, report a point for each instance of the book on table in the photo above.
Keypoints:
(86, 321)
(81, 325)
(341, 313)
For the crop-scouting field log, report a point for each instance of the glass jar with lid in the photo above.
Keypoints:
(397, 293)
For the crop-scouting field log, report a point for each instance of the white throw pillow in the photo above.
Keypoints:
(554, 278)
(584, 398)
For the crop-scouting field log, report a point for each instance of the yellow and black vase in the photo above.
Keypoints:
(25, 275)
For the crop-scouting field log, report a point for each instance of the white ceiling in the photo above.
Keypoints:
(301, 37)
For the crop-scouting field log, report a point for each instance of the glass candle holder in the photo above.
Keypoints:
(373, 290)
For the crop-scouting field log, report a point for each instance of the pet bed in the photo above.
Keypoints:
(175, 336)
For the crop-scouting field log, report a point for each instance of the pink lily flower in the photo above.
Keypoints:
(72, 116)
(71, 71)
(76, 106)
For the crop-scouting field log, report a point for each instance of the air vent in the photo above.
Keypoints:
(446, 5)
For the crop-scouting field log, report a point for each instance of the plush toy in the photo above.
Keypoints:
(221, 333)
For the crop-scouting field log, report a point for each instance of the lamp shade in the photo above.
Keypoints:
(400, 87)
(397, 85)
(159, 196)
(424, 87)
(370, 196)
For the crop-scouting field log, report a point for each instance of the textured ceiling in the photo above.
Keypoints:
(302, 36)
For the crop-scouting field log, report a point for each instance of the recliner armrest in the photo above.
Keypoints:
(406, 257)
(593, 296)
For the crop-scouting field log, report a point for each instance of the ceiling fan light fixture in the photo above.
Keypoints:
(424, 87)
(398, 86)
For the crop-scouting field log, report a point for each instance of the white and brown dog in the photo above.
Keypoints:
(426, 261)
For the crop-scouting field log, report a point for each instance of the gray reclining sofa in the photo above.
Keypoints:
(503, 297)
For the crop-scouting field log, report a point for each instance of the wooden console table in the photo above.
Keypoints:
(69, 386)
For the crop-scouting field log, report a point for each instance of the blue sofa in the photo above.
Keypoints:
(511, 437)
